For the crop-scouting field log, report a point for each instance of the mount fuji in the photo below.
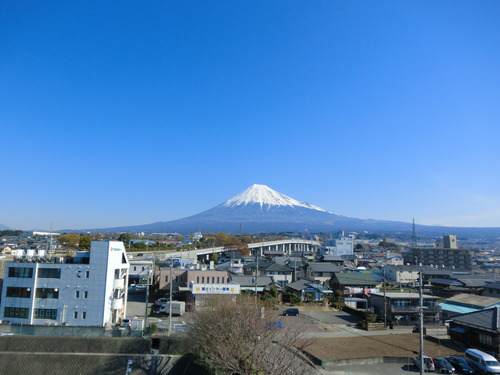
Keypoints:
(260, 209)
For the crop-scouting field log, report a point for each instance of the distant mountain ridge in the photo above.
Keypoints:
(260, 209)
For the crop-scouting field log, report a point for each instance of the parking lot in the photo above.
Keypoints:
(374, 369)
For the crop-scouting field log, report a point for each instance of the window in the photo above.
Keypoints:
(86, 294)
(45, 314)
(16, 312)
(198, 279)
(84, 315)
(49, 273)
(135, 268)
(166, 279)
(77, 294)
(23, 272)
(47, 293)
(87, 274)
(485, 339)
(18, 292)
(75, 315)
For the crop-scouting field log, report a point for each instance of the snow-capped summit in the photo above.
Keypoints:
(265, 196)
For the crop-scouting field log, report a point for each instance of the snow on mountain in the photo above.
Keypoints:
(265, 196)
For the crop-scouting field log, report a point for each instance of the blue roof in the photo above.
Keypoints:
(457, 308)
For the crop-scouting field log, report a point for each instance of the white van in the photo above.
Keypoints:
(483, 362)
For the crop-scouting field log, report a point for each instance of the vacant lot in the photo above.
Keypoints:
(399, 345)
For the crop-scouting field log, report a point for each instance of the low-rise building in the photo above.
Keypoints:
(403, 308)
(89, 289)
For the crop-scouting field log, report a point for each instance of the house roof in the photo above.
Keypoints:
(474, 282)
(355, 278)
(404, 295)
(324, 267)
(473, 300)
(299, 284)
(275, 267)
(332, 258)
(305, 284)
(487, 319)
(249, 281)
(494, 285)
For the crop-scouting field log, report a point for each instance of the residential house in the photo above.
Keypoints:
(354, 284)
(308, 290)
(281, 275)
(479, 329)
(253, 284)
(492, 289)
(465, 303)
(321, 272)
(403, 308)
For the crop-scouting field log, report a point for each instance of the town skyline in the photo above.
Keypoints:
(122, 114)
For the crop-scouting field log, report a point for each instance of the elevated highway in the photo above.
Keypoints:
(285, 247)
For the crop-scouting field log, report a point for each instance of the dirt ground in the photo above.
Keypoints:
(400, 345)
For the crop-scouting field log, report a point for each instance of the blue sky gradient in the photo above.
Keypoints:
(123, 113)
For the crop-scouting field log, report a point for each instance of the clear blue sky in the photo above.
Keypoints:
(130, 112)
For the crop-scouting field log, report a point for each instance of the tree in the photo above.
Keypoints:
(69, 240)
(125, 238)
(214, 257)
(235, 337)
(85, 241)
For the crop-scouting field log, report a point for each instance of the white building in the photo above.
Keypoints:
(342, 246)
(89, 289)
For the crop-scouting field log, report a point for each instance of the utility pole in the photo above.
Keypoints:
(170, 302)
(385, 301)
(256, 271)
(147, 300)
(421, 323)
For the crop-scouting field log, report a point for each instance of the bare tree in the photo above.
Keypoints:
(239, 336)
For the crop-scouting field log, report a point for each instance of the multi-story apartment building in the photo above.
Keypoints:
(447, 256)
(89, 289)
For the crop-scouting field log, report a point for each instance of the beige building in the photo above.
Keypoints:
(182, 278)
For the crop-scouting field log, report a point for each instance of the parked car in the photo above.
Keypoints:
(428, 363)
(483, 362)
(461, 365)
(292, 311)
(162, 300)
(443, 366)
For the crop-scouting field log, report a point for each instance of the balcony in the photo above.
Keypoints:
(118, 283)
(117, 304)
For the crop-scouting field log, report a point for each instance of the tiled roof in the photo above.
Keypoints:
(487, 319)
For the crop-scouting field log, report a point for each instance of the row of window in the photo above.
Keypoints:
(20, 312)
(43, 273)
(20, 292)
